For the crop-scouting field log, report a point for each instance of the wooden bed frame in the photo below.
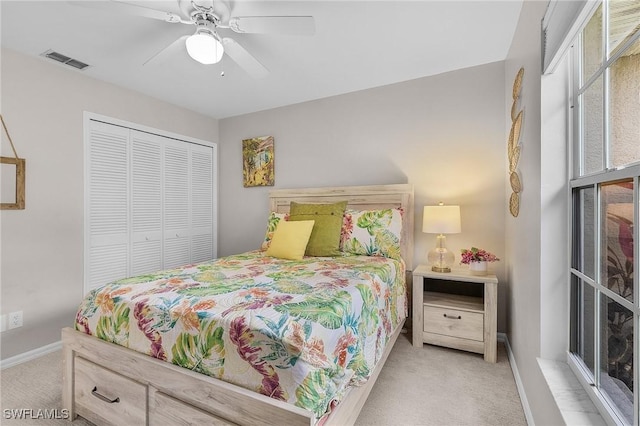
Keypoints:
(154, 392)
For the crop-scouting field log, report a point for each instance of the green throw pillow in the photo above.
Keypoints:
(325, 237)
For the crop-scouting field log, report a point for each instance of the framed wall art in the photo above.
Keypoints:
(12, 198)
(12, 171)
(258, 161)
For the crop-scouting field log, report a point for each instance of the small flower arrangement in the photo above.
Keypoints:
(477, 255)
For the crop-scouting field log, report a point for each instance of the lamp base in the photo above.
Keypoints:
(439, 257)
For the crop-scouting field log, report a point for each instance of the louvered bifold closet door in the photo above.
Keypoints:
(107, 204)
(177, 208)
(202, 203)
(146, 202)
(150, 203)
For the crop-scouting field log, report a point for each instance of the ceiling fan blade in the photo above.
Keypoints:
(177, 45)
(244, 59)
(286, 25)
(131, 9)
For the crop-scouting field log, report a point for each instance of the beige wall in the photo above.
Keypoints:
(444, 134)
(42, 246)
(536, 239)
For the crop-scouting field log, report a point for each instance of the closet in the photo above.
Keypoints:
(149, 201)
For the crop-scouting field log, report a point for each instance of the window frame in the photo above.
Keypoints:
(578, 180)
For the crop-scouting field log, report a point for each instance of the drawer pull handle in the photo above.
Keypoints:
(452, 316)
(95, 393)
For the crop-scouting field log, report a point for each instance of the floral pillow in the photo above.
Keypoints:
(372, 232)
(274, 219)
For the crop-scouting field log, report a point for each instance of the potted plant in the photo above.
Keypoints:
(477, 260)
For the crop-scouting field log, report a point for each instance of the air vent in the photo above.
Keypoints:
(59, 57)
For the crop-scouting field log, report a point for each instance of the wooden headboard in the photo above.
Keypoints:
(358, 198)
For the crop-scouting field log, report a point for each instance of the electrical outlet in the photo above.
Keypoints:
(3, 323)
(15, 319)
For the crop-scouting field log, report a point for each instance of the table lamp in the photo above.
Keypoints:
(441, 220)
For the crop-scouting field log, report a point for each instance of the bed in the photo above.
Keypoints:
(272, 355)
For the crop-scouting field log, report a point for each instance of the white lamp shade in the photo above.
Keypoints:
(441, 220)
(204, 48)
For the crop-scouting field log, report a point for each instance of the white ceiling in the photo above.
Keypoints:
(357, 45)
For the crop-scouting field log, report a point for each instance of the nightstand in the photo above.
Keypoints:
(455, 309)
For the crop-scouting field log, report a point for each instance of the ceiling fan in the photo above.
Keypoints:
(205, 45)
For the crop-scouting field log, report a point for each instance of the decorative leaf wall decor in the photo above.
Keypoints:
(517, 84)
(513, 146)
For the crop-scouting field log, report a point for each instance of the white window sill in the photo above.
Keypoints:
(573, 402)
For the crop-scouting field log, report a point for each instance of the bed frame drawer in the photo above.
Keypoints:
(105, 397)
(454, 323)
(167, 411)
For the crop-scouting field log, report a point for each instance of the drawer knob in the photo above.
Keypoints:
(101, 397)
(452, 316)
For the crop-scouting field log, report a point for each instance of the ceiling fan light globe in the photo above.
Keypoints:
(204, 48)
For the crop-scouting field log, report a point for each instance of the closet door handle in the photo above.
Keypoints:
(452, 316)
(101, 397)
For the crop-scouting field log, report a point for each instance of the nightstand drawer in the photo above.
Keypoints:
(454, 323)
(105, 397)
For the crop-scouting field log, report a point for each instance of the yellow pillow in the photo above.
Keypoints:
(290, 239)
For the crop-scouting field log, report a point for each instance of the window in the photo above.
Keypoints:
(605, 302)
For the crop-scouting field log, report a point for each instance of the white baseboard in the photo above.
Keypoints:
(28, 356)
(502, 337)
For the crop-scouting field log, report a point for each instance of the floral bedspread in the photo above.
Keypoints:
(297, 331)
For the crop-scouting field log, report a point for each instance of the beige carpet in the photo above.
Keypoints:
(427, 386)
(440, 386)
